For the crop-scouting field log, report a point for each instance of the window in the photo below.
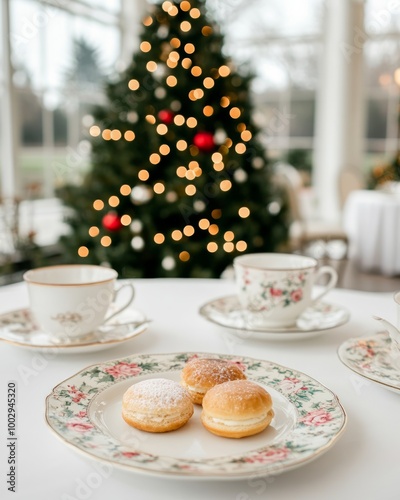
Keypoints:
(61, 52)
(382, 77)
(281, 46)
(281, 42)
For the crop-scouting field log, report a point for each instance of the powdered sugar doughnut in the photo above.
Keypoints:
(156, 405)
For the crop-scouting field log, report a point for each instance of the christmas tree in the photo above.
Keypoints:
(179, 184)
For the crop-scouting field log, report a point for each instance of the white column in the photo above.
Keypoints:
(48, 151)
(132, 13)
(7, 112)
(339, 126)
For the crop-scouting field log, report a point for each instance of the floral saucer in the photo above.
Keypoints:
(372, 359)
(227, 312)
(85, 412)
(19, 328)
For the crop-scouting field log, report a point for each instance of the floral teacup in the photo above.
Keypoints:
(274, 288)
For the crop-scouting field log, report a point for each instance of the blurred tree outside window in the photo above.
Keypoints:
(281, 46)
(61, 56)
(382, 87)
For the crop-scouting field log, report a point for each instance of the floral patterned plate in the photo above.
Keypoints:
(85, 412)
(372, 359)
(19, 328)
(227, 312)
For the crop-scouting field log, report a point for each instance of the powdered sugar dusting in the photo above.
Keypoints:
(219, 369)
(155, 394)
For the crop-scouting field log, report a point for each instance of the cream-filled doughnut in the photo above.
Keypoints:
(199, 375)
(156, 405)
(237, 409)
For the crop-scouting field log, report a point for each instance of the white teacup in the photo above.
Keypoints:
(73, 300)
(275, 288)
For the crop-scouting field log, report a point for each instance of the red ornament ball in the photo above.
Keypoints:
(111, 222)
(166, 116)
(204, 141)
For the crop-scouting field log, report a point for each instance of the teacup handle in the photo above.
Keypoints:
(116, 292)
(331, 283)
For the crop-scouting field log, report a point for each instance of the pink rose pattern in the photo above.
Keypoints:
(269, 456)
(296, 295)
(76, 394)
(292, 385)
(124, 370)
(129, 454)
(317, 417)
(269, 294)
(79, 426)
(372, 357)
(367, 346)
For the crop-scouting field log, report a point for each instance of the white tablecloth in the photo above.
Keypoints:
(372, 222)
(364, 463)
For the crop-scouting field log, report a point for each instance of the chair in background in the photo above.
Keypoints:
(308, 235)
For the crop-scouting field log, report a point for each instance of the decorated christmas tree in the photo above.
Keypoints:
(179, 183)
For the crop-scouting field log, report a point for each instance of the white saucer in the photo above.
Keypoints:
(227, 312)
(372, 359)
(19, 328)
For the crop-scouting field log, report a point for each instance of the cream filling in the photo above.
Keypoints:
(196, 389)
(239, 423)
(151, 418)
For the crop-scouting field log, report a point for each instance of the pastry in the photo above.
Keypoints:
(237, 409)
(201, 374)
(156, 405)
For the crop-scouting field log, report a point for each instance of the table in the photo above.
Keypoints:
(364, 463)
(371, 220)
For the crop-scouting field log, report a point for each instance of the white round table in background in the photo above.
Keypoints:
(371, 220)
